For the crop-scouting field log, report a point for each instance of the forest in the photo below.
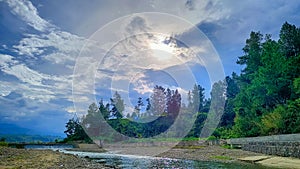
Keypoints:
(262, 100)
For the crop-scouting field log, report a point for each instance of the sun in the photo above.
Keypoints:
(161, 50)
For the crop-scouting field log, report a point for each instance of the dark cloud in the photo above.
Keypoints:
(190, 4)
(136, 25)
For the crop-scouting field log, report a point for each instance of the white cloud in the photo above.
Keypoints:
(5, 88)
(142, 86)
(27, 12)
(70, 109)
(50, 44)
(6, 60)
(203, 10)
(64, 43)
(24, 74)
(131, 55)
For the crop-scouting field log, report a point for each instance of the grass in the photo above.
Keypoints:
(167, 139)
(138, 140)
(145, 140)
(226, 146)
(221, 157)
(189, 147)
(4, 144)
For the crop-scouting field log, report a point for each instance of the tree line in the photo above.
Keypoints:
(262, 100)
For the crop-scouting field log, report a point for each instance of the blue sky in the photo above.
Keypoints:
(55, 54)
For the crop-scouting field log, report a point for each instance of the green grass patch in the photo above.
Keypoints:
(226, 146)
(189, 147)
(166, 139)
(191, 139)
(221, 157)
(145, 140)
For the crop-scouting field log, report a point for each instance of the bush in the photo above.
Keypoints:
(212, 138)
(3, 144)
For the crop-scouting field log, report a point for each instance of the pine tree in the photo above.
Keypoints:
(158, 101)
(117, 106)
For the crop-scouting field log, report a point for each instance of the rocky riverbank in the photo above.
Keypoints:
(22, 158)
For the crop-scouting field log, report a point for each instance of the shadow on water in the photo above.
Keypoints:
(132, 161)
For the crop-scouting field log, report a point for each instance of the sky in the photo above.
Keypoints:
(58, 57)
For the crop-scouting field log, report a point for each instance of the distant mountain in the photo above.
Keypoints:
(29, 138)
(7, 128)
(15, 133)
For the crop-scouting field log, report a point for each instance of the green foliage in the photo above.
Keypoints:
(197, 108)
(190, 139)
(232, 90)
(289, 40)
(227, 146)
(218, 100)
(272, 123)
(100, 121)
(225, 133)
(222, 157)
(158, 101)
(198, 98)
(3, 144)
(198, 125)
(91, 122)
(212, 137)
(296, 86)
(292, 117)
(75, 132)
(269, 85)
(251, 59)
(117, 106)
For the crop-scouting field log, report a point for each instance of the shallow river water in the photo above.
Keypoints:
(133, 161)
(116, 160)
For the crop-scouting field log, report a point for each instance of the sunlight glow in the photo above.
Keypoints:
(161, 50)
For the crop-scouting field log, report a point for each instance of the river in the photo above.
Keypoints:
(123, 161)
(133, 161)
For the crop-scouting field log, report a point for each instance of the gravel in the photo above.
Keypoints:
(22, 158)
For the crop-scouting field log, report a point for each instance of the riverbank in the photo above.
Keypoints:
(22, 158)
(219, 154)
(208, 153)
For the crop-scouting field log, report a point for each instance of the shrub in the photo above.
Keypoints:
(3, 144)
